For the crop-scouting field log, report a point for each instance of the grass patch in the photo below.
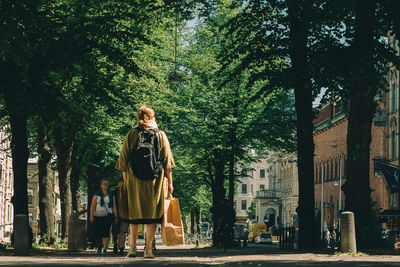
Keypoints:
(351, 253)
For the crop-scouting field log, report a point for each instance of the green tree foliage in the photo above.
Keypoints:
(221, 118)
(251, 212)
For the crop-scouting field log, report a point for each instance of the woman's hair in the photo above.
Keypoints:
(102, 180)
(144, 114)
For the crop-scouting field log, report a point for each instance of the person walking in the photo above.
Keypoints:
(119, 228)
(328, 237)
(103, 211)
(333, 239)
(146, 184)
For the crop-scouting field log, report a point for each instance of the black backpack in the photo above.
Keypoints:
(145, 158)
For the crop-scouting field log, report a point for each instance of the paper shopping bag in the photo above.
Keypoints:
(172, 226)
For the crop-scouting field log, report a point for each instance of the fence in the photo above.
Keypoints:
(287, 237)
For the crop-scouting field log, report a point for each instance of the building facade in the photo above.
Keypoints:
(390, 115)
(290, 190)
(33, 198)
(6, 187)
(330, 160)
(255, 179)
(273, 186)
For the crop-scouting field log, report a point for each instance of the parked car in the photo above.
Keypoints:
(255, 230)
(394, 234)
(263, 237)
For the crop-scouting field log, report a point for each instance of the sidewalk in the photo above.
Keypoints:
(187, 255)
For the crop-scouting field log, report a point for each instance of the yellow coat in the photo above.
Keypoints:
(142, 201)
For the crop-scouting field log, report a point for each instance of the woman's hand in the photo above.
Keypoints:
(91, 218)
(170, 188)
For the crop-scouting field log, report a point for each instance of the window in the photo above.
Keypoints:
(327, 172)
(262, 173)
(234, 204)
(395, 45)
(29, 199)
(394, 98)
(393, 200)
(8, 214)
(394, 145)
(244, 205)
(320, 173)
(315, 173)
(251, 188)
(336, 170)
(262, 187)
(244, 188)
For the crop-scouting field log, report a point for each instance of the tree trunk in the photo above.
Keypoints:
(192, 221)
(64, 154)
(46, 185)
(75, 186)
(92, 183)
(20, 154)
(362, 108)
(218, 191)
(299, 25)
(14, 97)
(233, 145)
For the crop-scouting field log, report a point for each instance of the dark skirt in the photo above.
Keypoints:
(102, 225)
(142, 221)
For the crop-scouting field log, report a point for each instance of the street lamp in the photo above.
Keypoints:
(340, 191)
(322, 201)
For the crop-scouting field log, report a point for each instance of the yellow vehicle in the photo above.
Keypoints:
(255, 230)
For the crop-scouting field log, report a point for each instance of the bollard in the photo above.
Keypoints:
(21, 235)
(76, 232)
(348, 232)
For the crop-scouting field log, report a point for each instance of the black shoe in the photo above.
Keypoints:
(121, 251)
(115, 250)
(99, 251)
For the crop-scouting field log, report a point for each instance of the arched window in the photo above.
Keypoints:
(394, 145)
(336, 169)
(315, 173)
(320, 173)
(327, 171)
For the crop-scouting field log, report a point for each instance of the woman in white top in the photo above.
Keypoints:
(103, 211)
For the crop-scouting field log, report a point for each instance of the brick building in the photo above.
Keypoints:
(330, 138)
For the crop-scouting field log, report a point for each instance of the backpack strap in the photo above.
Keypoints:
(135, 134)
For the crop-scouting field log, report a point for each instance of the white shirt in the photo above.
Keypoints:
(102, 211)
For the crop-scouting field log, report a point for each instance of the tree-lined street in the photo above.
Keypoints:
(225, 77)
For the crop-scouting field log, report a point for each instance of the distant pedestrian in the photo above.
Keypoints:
(328, 237)
(103, 211)
(119, 228)
(333, 239)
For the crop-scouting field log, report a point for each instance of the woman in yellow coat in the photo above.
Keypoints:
(142, 201)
